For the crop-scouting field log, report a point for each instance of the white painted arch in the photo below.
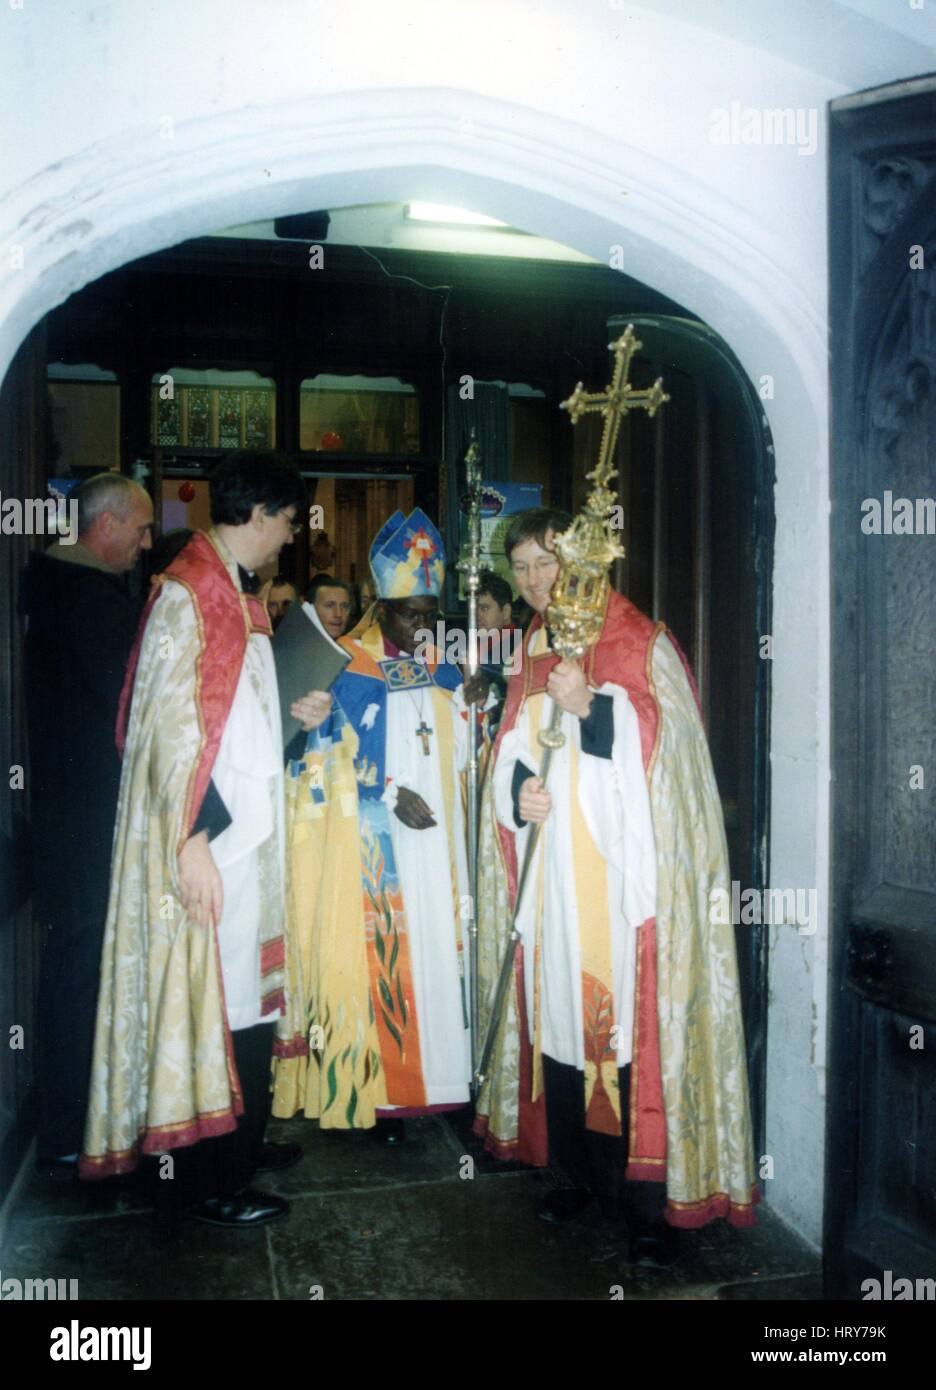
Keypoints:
(109, 204)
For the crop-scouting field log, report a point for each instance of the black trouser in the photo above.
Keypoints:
(223, 1166)
(595, 1161)
(66, 1010)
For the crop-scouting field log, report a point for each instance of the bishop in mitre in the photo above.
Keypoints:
(379, 880)
(619, 1060)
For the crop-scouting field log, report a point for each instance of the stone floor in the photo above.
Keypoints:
(373, 1223)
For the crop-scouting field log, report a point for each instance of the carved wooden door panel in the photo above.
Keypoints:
(881, 1155)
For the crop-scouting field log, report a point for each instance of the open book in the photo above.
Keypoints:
(306, 658)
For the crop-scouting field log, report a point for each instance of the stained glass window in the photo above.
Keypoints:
(198, 416)
(229, 423)
(213, 410)
(258, 421)
(168, 420)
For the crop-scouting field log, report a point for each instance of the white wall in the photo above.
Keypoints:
(132, 126)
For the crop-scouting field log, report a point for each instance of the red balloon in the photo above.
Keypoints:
(332, 441)
(186, 492)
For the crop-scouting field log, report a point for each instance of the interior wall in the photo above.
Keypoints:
(131, 128)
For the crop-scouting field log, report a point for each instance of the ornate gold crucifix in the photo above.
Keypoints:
(590, 545)
(615, 402)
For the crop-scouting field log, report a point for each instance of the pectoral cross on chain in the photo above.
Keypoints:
(424, 731)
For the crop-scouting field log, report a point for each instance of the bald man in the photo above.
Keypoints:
(81, 623)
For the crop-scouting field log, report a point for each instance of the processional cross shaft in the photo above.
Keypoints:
(615, 402)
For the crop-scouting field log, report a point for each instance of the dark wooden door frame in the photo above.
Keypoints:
(882, 191)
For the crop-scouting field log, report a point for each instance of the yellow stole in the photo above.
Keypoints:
(602, 1093)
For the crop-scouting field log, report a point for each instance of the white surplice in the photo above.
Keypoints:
(423, 864)
(250, 853)
(615, 804)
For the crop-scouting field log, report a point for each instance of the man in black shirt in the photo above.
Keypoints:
(81, 623)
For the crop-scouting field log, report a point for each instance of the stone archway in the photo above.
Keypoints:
(114, 202)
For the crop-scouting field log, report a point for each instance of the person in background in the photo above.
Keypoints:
(499, 638)
(331, 599)
(80, 626)
(495, 603)
(281, 594)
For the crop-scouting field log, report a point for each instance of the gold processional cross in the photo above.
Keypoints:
(614, 403)
(587, 549)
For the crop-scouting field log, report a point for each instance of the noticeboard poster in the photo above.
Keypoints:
(500, 503)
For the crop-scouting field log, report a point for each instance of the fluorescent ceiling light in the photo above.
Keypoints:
(441, 212)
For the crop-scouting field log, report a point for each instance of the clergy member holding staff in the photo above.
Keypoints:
(196, 969)
(378, 866)
(620, 1057)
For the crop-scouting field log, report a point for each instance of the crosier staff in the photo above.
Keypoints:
(470, 566)
(577, 603)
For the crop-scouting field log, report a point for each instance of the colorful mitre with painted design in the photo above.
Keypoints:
(407, 557)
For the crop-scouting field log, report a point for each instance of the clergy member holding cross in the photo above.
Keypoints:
(614, 1047)
(379, 875)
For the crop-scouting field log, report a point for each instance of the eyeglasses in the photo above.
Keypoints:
(294, 524)
(540, 566)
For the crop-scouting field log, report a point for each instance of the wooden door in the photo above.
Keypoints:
(881, 1154)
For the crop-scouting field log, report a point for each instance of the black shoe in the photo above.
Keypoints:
(656, 1248)
(564, 1204)
(388, 1133)
(249, 1208)
(275, 1157)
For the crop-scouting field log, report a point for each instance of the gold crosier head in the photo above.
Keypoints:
(588, 547)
